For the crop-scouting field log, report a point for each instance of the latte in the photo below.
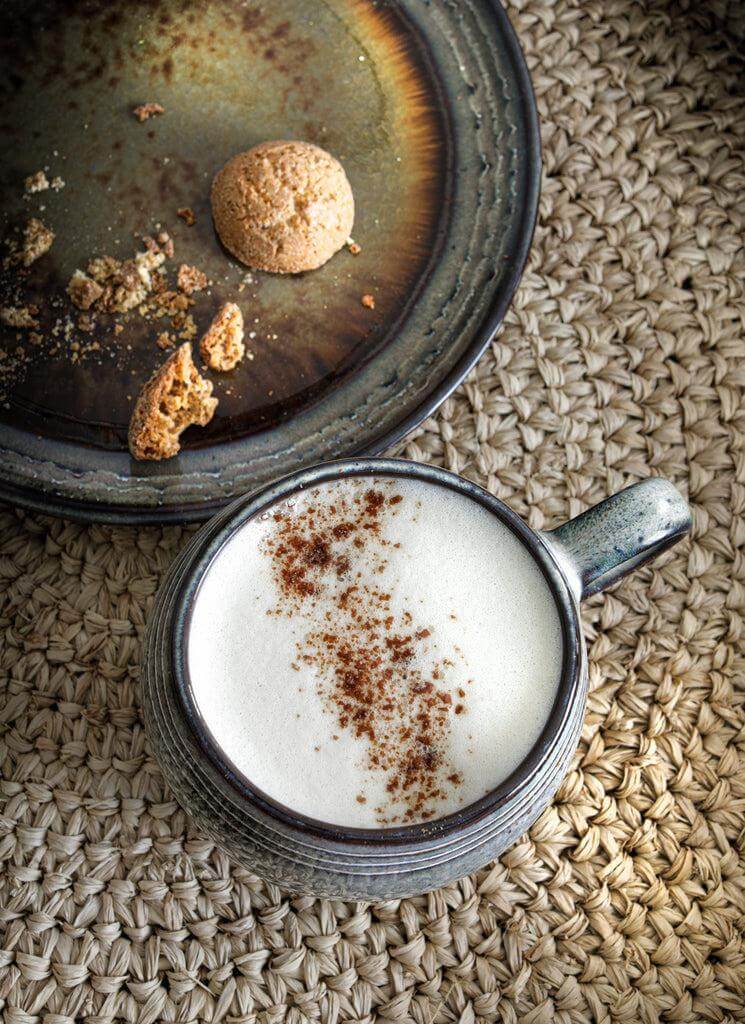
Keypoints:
(374, 652)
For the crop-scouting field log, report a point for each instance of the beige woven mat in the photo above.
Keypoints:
(624, 354)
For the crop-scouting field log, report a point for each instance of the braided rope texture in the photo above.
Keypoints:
(623, 355)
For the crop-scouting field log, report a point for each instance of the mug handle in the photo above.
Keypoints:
(607, 541)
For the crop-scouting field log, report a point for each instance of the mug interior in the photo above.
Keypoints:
(247, 509)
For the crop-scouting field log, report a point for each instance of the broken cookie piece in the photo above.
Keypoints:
(174, 398)
(222, 346)
(37, 239)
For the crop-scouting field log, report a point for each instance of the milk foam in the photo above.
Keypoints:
(486, 626)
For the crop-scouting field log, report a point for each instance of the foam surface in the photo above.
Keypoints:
(459, 573)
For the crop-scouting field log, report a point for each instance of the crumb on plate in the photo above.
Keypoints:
(147, 110)
(37, 182)
(18, 316)
(190, 279)
(37, 240)
(83, 290)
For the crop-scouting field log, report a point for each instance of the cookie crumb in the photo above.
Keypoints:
(145, 264)
(164, 340)
(354, 248)
(221, 347)
(57, 184)
(170, 303)
(166, 243)
(190, 279)
(147, 110)
(187, 215)
(37, 182)
(37, 240)
(368, 301)
(83, 290)
(18, 316)
(118, 329)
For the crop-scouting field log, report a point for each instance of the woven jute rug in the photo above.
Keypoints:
(623, 355)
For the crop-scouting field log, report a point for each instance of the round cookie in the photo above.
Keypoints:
(285, 207)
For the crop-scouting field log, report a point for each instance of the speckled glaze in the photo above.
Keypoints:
(578, 558)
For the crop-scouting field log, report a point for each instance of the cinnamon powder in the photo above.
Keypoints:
(378, 675)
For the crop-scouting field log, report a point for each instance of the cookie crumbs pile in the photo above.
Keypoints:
(107, 286)
(37, 240)
(110, 285)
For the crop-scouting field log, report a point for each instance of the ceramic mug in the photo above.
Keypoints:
(579, 558)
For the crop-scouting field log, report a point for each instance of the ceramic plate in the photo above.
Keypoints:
(428, 106)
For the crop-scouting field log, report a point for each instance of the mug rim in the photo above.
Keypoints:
(238, 514)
